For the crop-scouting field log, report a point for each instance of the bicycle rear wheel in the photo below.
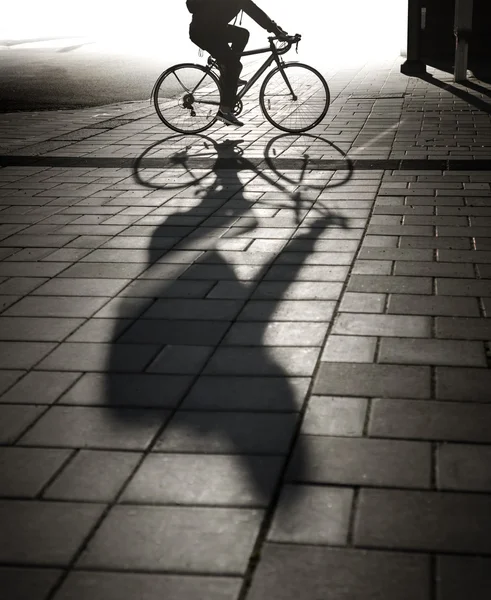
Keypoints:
(187, 97)
(294, 98)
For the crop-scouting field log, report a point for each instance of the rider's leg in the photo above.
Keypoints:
(238, 38)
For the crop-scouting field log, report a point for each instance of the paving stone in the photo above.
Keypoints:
(429, 521)
(121, 389)
(360, 461)
(362, 302)
(23, 355)
(342, 348)
(463, 287)
(382, 325)
(93, 476)
(31, 269)
(288, 572)
(436, 242)
(181, 360)
(230, 290)
(6, 301)
(432, 352)
(303, 290)
(388, 381)
(433, 305)
(100, 330)
(306, 273)
(201, 310)
(195, 333)
(399, 254)
(8, 378)
(82, 427)
(434, 269)
(123, 308)
(120, 271)
(37, 328)
(129, 586)
(288, 310)
(21, 285)
(332, 415)
(56, 306)
(463, 328)
(259, 361)
(312, 515)
(466, 384)
(445, 421)
(81, 356)
(81, 287)
(463, 467)
(201, 540)
(224, 272)
(25, 471)
(247, 393)
(205, 479)
(26, 583)
(372, 267)
(44, 533)
(380, 241)
(275, 334)
(390, 284)
(463, 576)
(228, 433)
(16, 419)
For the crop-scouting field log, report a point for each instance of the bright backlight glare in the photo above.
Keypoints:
(330, 29)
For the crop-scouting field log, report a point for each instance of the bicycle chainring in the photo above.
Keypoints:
(238, 108)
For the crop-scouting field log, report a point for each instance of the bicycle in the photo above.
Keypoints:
(294, 97)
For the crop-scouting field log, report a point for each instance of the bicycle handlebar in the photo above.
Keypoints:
(289, 39)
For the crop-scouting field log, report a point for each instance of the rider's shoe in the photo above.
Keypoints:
(228, 118)
(241, 82)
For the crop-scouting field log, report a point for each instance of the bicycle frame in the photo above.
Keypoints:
(273, 58)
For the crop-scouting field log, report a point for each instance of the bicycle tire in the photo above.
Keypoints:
(187, 97)
(294, 115)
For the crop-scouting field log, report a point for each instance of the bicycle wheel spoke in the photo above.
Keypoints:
(186, 98)
(295, 98)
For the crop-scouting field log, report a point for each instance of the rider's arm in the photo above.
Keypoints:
(261, 18)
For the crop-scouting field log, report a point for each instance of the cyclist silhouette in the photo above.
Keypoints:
(211, 30)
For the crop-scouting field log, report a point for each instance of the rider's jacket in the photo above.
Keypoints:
(215, 14)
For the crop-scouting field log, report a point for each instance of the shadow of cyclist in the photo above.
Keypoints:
(216, 337)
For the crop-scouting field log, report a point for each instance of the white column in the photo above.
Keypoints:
(462, 30)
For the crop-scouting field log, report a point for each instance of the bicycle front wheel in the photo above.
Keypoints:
(294, 98)
(186, 98)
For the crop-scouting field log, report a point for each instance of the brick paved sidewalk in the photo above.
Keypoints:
(259, 374)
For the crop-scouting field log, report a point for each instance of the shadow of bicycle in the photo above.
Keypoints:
(228, 318)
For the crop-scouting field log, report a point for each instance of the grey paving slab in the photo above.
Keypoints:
(289, 571)
(8, 378)
(288, 310)
(120, 271)
(44, 533)
(259, 361)
(24, 471)
(463, 467)
(228, 433)
(85, 585)
(388, 381)
(21, 285)
(130, 390)
(102, 357)
(21, 583)
(188, 539)
(463, 328)
(312, 515)
(37, 328)
(382, 325)
(192, 309)
(362, 302)
(193, 479)
(432, 352)
(23, 355)
(454, 306)
(463, 384)
(334, 415)
(69, 286)
(459, 576)
(247, 393)
(275, 334)
(298, 290)
(390, 284)
(181, 360)
(103, 428)
(345, 348)
(15, 420)
(93, 476)
(445, 421)
(56, 306)
(429, 521)
(360, 461)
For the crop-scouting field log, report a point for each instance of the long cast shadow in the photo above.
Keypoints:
(234, 385)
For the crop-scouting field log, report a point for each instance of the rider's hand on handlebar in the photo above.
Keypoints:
(279, 32)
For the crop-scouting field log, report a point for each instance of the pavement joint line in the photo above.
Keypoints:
(293, 164)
